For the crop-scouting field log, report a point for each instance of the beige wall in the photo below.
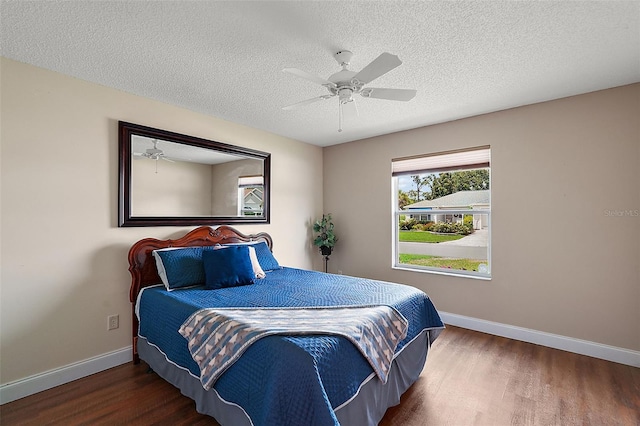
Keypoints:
(64, 260)
(563, 261)
(163, 188)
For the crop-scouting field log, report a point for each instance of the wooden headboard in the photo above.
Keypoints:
(142, 264)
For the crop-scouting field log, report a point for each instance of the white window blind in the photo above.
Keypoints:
(247, 181)
(453, 160)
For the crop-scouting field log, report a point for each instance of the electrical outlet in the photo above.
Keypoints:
(113, 322)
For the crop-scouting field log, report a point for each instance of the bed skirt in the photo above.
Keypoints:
(366, 408)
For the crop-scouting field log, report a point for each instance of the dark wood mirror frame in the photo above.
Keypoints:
(125, 218)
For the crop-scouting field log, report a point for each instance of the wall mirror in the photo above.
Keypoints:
(169, 179)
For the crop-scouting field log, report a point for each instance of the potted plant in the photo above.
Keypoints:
(325, 239)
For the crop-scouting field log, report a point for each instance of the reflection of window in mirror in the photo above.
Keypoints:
(250, 195)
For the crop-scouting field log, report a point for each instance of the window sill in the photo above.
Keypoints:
(475, 276)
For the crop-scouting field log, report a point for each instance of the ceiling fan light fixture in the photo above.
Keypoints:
(343, 57)
(344, 94)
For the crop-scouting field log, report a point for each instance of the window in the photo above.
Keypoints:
(250, 195)
(442, 212)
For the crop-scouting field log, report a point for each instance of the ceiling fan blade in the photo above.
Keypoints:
(167, 159)
(312, 78)
(379, 66)
(390, 94)
(307, 102)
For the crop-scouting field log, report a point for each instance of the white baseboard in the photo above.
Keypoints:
(569, 344)
(59, 376)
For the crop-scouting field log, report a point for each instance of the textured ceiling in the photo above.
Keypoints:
(226, 58)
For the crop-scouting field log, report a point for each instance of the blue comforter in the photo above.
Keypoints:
(283, 380)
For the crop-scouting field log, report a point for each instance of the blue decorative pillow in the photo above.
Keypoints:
(180, 267)
(257, 269)
(264, 255)
(227, 268)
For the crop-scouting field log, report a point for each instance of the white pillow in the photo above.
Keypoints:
(257, 269)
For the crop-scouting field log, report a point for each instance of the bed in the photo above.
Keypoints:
(301, 370)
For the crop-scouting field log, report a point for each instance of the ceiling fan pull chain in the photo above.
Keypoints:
(339, 115)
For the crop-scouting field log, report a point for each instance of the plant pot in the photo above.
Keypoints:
(326, 251)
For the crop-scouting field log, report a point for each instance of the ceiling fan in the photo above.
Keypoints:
(154, 153)
(345, 83)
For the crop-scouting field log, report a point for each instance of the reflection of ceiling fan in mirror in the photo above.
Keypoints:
(152, 153)
(148, 148)
(346, 83)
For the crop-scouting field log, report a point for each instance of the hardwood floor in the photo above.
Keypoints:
(474, 378)
(470, 378)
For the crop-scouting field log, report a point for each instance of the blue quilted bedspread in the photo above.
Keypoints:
(217, 337)
(327, 370)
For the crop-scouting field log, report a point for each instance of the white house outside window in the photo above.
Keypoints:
(250, 195)
(442, 212)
